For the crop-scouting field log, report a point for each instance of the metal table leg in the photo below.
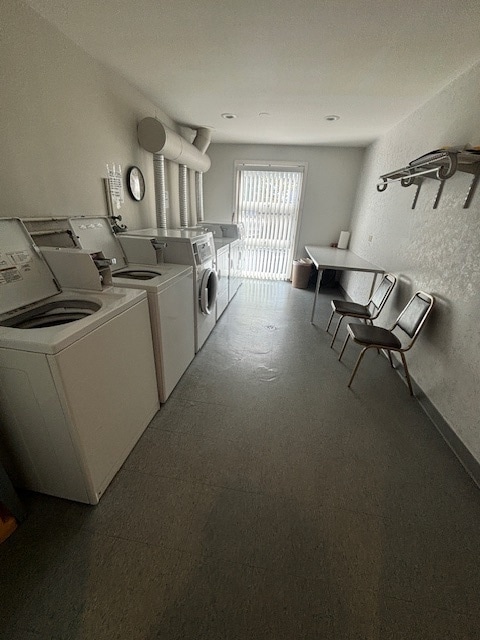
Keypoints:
(317, 287)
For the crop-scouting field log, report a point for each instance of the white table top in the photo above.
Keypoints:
(341, 259)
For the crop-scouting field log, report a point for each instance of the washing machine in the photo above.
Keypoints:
(169, 289)
(77, 373)
(181, 246)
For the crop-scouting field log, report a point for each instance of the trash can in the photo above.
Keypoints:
(301, 273)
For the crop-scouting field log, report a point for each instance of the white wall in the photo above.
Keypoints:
(435, 250)
(64, 116)
(329, 194)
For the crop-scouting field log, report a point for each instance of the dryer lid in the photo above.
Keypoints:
(96, 234)
(24, 275)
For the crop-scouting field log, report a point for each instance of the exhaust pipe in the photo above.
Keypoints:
(183, 194)
(160, 190)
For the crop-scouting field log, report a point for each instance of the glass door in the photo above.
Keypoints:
(268, 206)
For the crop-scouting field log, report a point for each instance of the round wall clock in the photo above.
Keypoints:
(135, 183)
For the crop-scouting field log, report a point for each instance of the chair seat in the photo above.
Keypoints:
(345, 308)
(378, 336)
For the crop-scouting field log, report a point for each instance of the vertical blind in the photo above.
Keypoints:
(268, 204)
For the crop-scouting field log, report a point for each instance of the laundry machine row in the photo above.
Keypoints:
(77, 372)
(168, 287)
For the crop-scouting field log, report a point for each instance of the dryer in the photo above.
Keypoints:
(228, 233)
(223, 270)
(77, 374)
(181, 246)
(232, 234)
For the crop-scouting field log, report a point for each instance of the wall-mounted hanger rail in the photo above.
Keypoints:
(438, 165)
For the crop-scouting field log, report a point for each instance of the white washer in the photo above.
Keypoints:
(182, 246)
(77, 375)
(169, 291)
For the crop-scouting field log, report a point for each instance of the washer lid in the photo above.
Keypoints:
(24, 275)
(96, 234)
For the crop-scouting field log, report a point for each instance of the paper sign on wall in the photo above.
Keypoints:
(115, 185)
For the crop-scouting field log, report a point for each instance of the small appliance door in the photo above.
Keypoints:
(208, 291)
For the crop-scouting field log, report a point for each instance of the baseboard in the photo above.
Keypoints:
(465, 457)
(468, 461)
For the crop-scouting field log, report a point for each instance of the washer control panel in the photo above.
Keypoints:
(203, 251)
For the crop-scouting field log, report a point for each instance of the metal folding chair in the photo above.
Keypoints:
(367, 312)
(410, 322)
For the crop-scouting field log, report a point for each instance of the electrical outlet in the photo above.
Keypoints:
(370, 238)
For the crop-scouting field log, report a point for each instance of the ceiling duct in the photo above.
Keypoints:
(202, 142)
(202, 139)
(155, 137)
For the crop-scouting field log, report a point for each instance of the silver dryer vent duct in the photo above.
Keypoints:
(160, 190)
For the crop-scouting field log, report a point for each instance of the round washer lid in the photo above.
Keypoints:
(24, 275)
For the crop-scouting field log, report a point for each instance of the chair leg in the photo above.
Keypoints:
(407, 375)
(357, 364)
(330, 320)
(389, 353)
(336, 331)
(369, 322)
(344, 345)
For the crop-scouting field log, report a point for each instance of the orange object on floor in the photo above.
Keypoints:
(8, 524)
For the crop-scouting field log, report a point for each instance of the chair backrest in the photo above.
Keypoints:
(381, 293)
(414, 314)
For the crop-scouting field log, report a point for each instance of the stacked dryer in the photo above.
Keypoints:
(181, 246)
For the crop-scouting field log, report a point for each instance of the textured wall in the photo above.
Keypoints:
(435, 250)
(64, 116)
(331, 183)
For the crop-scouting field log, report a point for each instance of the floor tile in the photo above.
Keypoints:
(210, 419)
(153, 509)
(87, 585)
(367, 615)
(214, 461)
(228, 601)
(289, 537)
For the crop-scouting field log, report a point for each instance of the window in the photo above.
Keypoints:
(268, 205)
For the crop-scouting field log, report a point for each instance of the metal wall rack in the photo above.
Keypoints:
(439, 165)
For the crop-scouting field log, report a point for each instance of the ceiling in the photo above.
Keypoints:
(372, 62)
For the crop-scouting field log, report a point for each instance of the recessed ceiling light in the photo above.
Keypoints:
(264, 114)
(229, 116)
(332, 118)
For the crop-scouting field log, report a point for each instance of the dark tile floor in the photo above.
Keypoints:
(266, 501)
